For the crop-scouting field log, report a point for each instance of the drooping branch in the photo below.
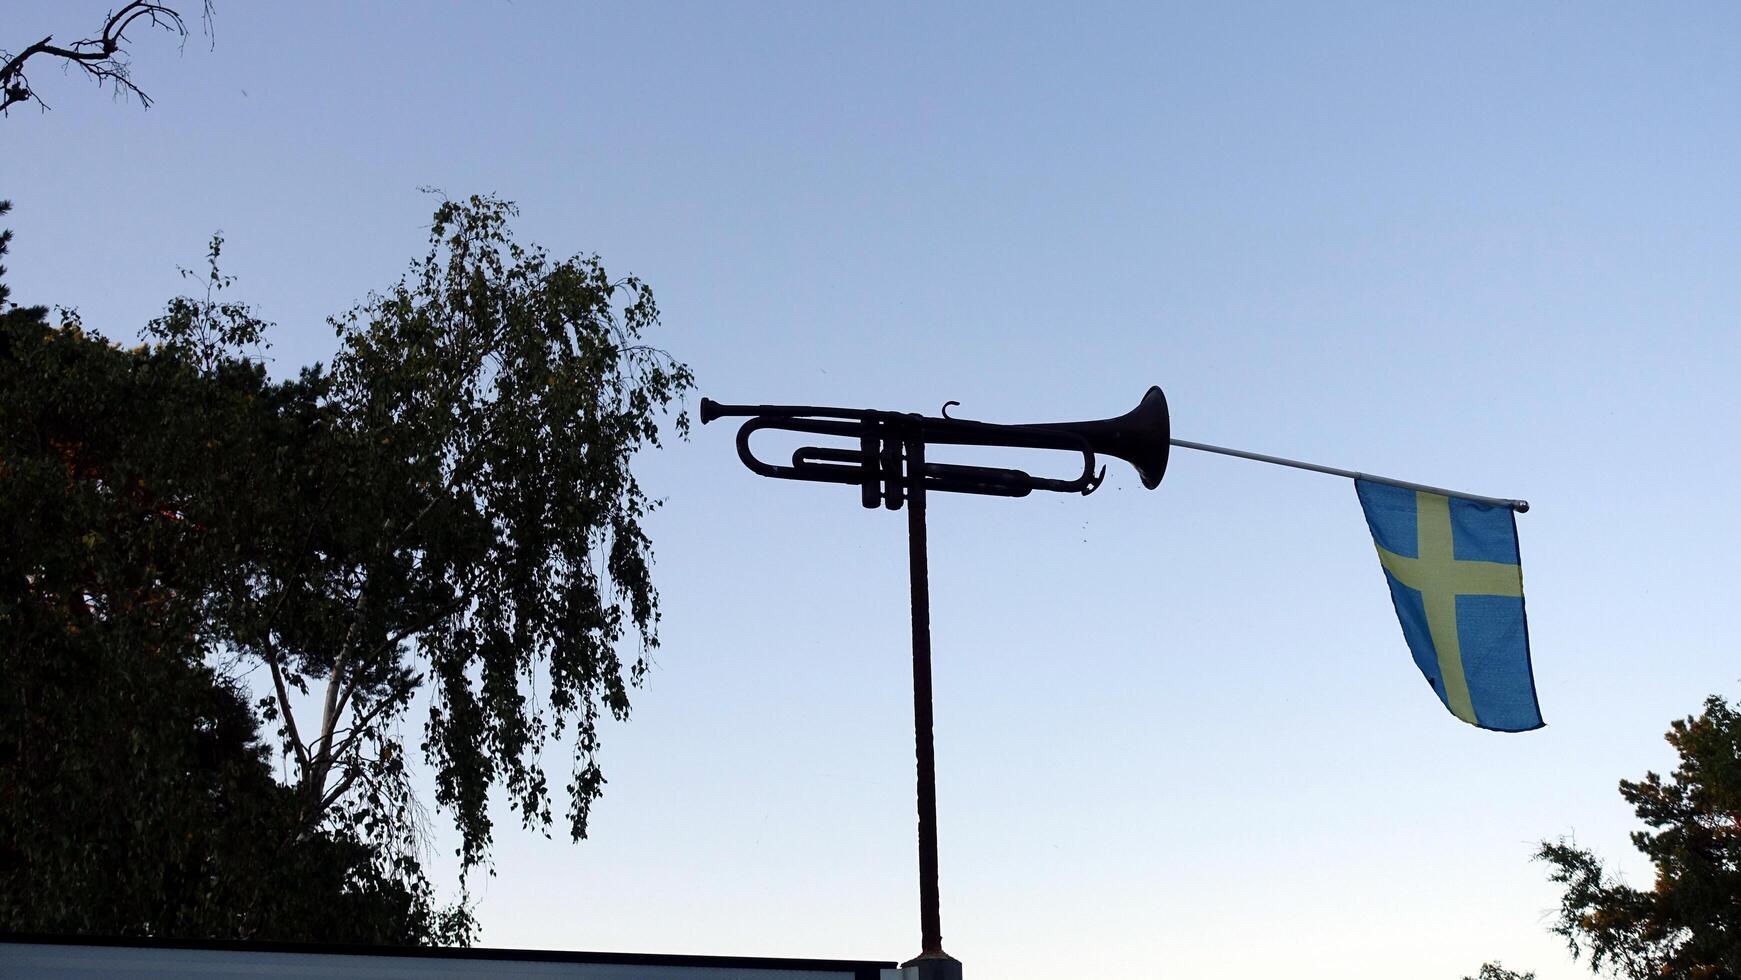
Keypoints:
(102, 58)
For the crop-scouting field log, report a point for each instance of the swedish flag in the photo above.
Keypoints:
(1457, 583)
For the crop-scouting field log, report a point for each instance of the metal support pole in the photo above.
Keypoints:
(932, 963)
(1517, 505)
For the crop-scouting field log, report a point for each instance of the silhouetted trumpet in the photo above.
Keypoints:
(889, 461)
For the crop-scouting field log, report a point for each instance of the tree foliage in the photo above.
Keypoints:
(449, 507)
(1688, 924)
(135, 796)
(463, 511)
(1494, 971)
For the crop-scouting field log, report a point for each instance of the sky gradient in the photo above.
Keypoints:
(1481, 246)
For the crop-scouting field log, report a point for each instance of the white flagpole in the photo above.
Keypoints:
(1517, 505)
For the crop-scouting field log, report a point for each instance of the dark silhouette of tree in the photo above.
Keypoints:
(449, 504)
(135, 795)
(103, 58)
(1494, 971)
(1688, 923)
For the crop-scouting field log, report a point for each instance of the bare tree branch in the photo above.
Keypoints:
(284, 702)
(329, 717)
(362, 726)
(102, 58)
(337, 793)
(334, 705)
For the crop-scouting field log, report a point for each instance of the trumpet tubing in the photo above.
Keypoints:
(888, 444)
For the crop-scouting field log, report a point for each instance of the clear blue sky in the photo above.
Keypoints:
(1486, 245)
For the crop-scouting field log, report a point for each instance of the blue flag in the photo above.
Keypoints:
(1457, 583)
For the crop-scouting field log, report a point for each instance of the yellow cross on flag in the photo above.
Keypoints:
(1457, 583)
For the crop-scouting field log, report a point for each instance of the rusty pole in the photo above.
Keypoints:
(932, 962)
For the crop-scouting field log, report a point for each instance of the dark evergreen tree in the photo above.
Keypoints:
(1687, 925)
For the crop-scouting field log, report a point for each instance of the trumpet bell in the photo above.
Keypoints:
(1141, 437)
